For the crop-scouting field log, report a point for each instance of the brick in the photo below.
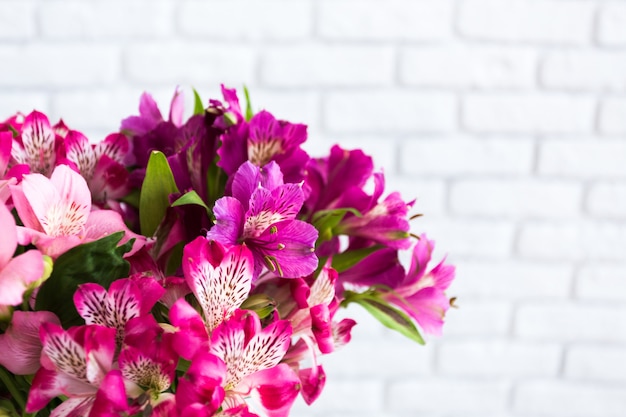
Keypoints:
(471, 238)
(481, 67)
(361, 396)
(402, 358)
(294, 106)
(454, 157)
(583, 159)
(512, 280)
(527, 21)
(96, 109)
(381, 148)
(249, 20)
(389, 112)
(71, 19)
(602, 282)
(17, 20)
(584, 71)
(563, 399)
(38, 65)
(607, 199)
(448, 396)
(599, 363)
(612, 24)
(477, 319)
(429, 194)
(11, 103)
(528, 113)
(498, 359)
(611, 118)
(316, 65)
(571, 322)
(192, 63)
(573, 241)
(516, 198)
(393, 19)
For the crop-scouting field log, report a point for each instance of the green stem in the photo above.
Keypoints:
(8, 382)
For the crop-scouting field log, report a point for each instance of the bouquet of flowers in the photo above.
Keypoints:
(193, 268)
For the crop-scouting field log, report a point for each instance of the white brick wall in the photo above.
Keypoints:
(505, 118)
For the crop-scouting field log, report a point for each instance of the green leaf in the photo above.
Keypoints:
(262, 304)
(132, 198)
(326, 220)
(198, 107)
(249, 112)
(346, 260)
(389, 316)
(190, 197)
(101, 262)
(155, 192)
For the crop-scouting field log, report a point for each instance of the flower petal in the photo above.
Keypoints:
(220, 290)
(38, 139)
(229, 215)
(15, 277)
(276, 388)
(20, 344)
(8, 243)
(191, 335)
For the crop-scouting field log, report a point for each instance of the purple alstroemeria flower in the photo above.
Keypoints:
(261, 140)
(262, 215)
(338, 181)
(422, 294)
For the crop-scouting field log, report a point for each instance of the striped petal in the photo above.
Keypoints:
(79, 150)
(220, 289)
(38, 140)
(245, 353)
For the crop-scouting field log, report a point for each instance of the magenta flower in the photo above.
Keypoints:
(76, 363)
(150, 115)
(20, 344)
(251, 354)
(422, 294)
(57, 215)
(19, 273)
(148, 363)
(126, 299)
(36, 146)
(262, 215)
(252, 357)
(103, 165)
(338, 181)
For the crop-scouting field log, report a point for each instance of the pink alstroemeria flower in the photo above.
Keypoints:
(57, 215)
(20, 344)
(220, 278)
(252, 355)
(148, 363)
(77, 363)
(36, 146)
(422, 294)
(262, 215)
(102, 165)
(19, 273)
(126, 299)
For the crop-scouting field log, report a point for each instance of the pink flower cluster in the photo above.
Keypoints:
(193, 267)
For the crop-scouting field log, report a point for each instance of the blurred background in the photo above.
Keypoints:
(506, 119)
